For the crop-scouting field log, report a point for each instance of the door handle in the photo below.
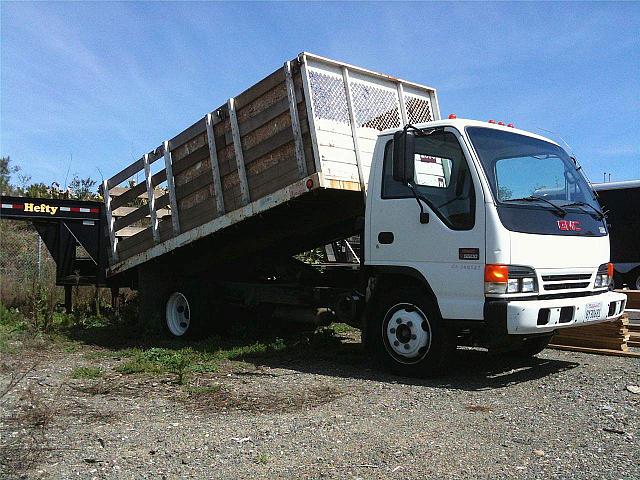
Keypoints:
(385, 238)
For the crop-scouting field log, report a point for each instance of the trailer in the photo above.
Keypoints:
(621, 200)
(73, 232)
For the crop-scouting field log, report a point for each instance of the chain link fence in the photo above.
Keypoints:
(25, 264)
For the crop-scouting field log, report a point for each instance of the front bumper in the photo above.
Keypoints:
(526, 317)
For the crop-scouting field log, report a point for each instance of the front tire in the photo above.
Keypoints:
(531, 347)
(406, 335)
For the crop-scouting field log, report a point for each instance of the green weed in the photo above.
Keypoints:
(203, 390)
(86, 373)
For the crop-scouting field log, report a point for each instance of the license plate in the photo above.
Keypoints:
(592, 312)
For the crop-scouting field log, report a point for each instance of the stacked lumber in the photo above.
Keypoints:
(608, 338)
(633, 298)
(608, 335)
(633, 312)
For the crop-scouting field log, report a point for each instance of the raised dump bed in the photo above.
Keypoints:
(285, 162)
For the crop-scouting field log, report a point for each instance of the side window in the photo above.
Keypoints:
(442, 177)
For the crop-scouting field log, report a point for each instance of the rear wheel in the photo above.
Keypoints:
(177, 314)
(191, 313)
(406, 335)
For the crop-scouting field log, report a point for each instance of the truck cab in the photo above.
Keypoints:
(481, 229)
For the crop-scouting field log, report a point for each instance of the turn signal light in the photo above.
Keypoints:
(496, 273)
(610, 269)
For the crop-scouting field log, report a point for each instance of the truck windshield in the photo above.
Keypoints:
(526, 170)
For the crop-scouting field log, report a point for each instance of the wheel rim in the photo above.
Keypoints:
(638, 282)
(178, 314)
(407, 333)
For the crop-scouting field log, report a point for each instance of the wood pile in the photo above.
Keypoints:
(611, 336)
(633, 298)
(633, 311)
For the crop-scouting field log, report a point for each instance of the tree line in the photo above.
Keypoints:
(14, 182)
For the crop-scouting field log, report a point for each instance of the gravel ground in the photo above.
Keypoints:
(561, 415)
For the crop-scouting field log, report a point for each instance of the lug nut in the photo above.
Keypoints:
(396, 343)
(409, 324)
(413, 337)
(398, 321)
(393, 330)
(406, 346)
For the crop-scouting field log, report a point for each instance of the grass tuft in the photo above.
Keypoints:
(86, 373)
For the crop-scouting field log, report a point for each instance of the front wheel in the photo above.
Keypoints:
(406, 335)
(530, 347)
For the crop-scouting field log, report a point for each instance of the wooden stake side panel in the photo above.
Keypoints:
(268, 148)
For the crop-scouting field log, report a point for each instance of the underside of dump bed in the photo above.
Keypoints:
(279, 168)
(310, 220)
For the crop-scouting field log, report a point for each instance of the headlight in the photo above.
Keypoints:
(604, 276)
(509, 279)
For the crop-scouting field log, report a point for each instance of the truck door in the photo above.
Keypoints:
(449, 250)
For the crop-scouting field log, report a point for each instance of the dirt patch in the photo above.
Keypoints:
(263, 402)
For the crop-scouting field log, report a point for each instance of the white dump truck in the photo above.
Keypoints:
(471, 232)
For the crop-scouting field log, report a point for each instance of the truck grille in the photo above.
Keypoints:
(566, 281)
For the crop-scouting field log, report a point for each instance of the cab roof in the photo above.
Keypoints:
(462, 123)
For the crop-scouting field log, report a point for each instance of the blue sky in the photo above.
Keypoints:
(106, 82)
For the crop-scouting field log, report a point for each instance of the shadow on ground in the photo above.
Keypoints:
(325, 351)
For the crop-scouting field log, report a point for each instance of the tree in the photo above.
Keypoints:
(83, 188)
(6, 171)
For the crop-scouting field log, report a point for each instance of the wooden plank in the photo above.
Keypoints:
(118, 191)
(198, 215)
(130, 231)
(295, 122)
(162, 201)
(138, 214)
(633, 298)
(144, 236)
(599, 351)
(190, 160)
(215, 167)
(260, 88)
(151, 202)
(281, 138)
(123, 211)
(125, 173)
(175, 221)
(237, 147)
(187, 134)
(110, 228)
(194, 185)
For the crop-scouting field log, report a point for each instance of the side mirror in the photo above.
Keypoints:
(404, 147)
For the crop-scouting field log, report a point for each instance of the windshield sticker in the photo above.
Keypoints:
(569, 225)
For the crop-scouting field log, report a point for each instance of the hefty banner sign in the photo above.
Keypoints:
(13, 206)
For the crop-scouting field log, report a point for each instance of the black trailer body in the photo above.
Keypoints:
(73, 232)
(621, 200)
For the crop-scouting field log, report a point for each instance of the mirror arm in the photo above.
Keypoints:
(424, 216)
